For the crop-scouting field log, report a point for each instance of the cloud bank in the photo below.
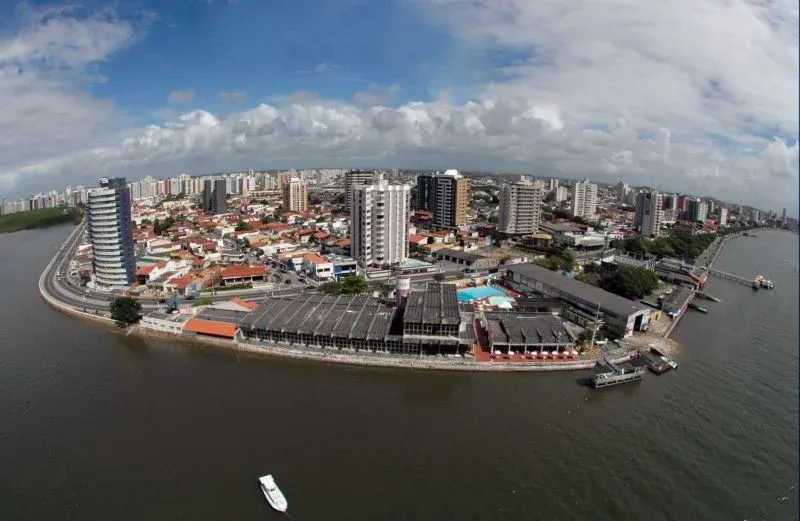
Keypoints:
(698, 96)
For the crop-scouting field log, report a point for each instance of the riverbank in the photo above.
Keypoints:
(319, 355)
(44, 218)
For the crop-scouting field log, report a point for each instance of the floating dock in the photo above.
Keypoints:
(607, 373)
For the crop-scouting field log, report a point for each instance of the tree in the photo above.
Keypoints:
(354, 286)
(125, 310)
(438, 277)
(629, 282)
(560, 213)
(244, 227)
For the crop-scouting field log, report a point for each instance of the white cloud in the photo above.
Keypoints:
(696, 95)
(321, 67)
(182, 96)
(42, 72)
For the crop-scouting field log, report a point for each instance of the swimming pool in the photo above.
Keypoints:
(465, 295)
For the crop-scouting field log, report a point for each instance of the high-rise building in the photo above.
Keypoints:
(562, 194)
(520, 208)
(352, 179)
(584, 200)
(553, 185)
(648, 214)
(284, 178)
(696, 210)
(445, 195)
(622, 191)
(783, 216)
(723, 217)
(214, 196)
(111, 234)
(295, 196)
(379, 223)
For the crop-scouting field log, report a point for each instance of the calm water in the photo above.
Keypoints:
(98, 426)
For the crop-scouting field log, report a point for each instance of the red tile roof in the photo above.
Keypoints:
(245, 303)
(314, 258)
(145, 270)
(210, 327)
(235, 272)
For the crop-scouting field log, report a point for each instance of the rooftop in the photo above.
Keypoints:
(591, 295)
(437, 304)
(342, 316)
(512, 328)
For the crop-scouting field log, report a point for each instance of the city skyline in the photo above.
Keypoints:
(577, 93)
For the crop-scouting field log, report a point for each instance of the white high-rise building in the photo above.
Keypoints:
(584, 200)
(111, 234)
(379, 223)
(723, 217)
(520, 208)
(561, 194)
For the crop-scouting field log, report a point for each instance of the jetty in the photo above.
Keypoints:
(607, 373)
(730, 276)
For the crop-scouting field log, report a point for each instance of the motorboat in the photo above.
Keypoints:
(273, 494)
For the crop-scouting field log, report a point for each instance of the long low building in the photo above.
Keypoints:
(526, 333)
(614, 310)
(363, 323)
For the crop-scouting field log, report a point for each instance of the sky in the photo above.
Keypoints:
(696, 96)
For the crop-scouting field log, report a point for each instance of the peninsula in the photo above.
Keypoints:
(43, 218)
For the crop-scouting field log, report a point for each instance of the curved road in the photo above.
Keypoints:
(55, 283)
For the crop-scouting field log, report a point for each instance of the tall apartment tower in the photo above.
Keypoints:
(446, 196)
(723, 217)
(584, 200)
(111, 234)
(295, 196)
(622, 191)
(214, 201)
(379, 223)
(696, 210)
(520, 208)
(283, 179)
(649, 214)
(352, 179)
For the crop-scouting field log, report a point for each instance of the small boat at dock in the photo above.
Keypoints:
(274, 496)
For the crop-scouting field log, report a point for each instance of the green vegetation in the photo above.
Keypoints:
(558, 260)
(625, 281)
(243, 227)
(678, 244)
(43, 218)
(202, 302)
(160, 227)
(125, 310)
(348, 286)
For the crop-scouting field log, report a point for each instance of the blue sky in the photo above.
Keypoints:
(611, 90)
(267, 49)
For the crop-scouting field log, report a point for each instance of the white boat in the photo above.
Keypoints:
(273, 494)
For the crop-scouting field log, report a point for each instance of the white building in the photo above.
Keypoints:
(111, 235)
(379, 223)
(584, 200)
(723, 217)
(520, 208)
(352, 179)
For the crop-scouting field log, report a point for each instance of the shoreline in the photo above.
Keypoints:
(310, 354)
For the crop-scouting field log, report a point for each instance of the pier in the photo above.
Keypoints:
(608, 373)
(730, 276)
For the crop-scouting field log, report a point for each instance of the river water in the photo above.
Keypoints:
(99, 426)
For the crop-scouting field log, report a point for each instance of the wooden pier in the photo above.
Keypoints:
(610, 374)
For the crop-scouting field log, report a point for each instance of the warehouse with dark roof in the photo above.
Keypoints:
(614, 310)
(363, 323)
